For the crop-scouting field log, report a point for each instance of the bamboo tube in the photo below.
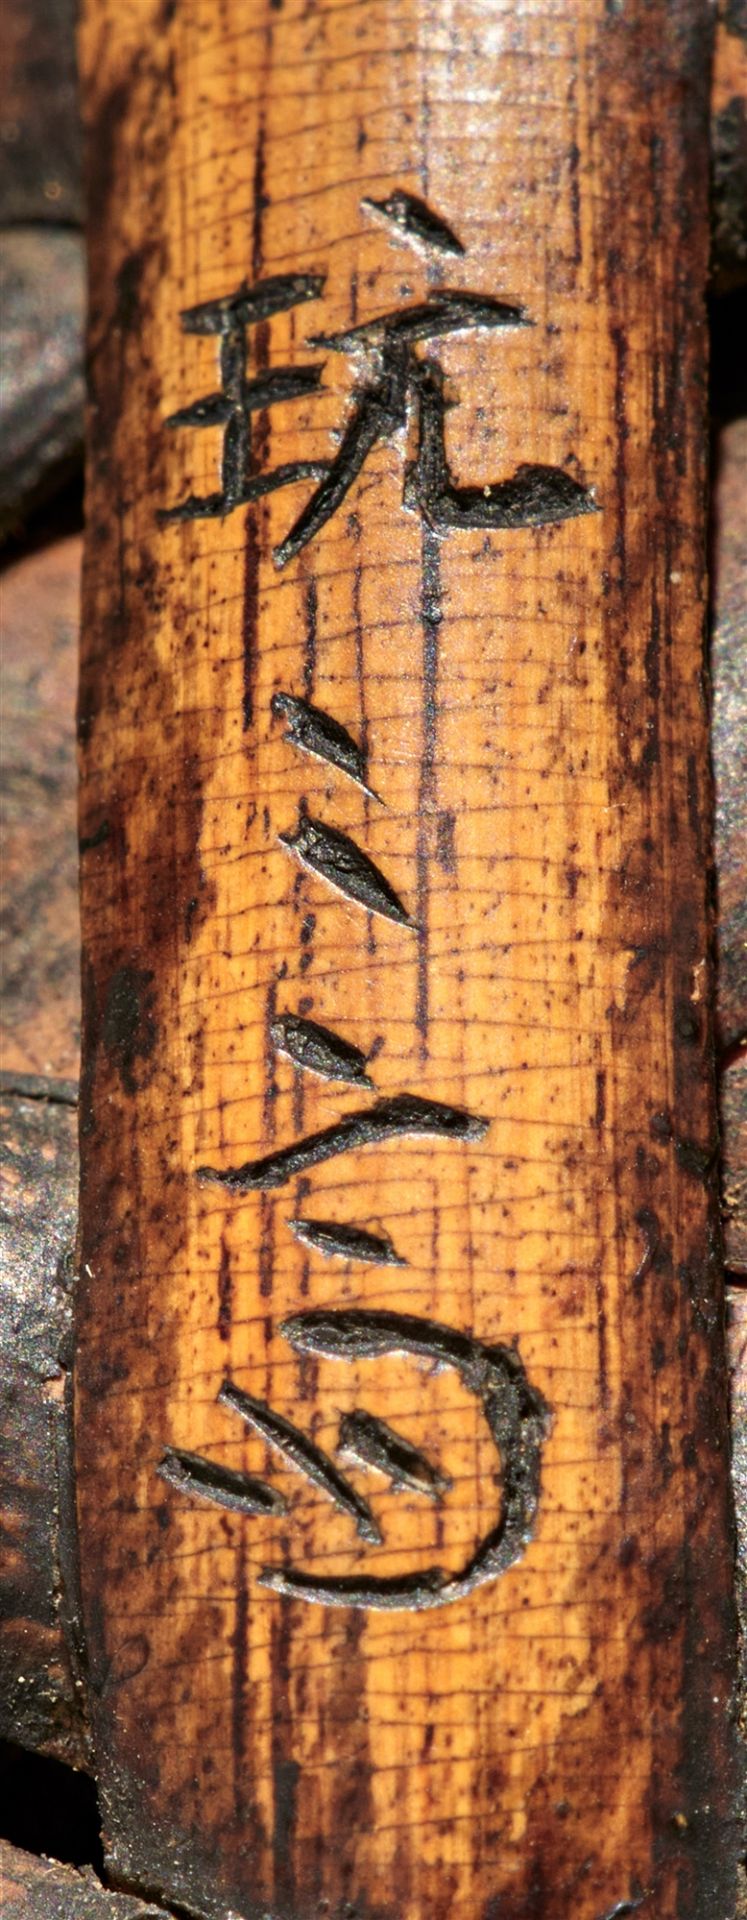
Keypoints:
(401, 1424)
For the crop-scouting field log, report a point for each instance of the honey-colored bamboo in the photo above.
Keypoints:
(424, 766)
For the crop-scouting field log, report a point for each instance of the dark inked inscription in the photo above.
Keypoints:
(318, 733)
(518, 1420)
(303, 1454)
(350, 1243)
(369, 1440)
(415, 221)
(405, 1113)
(338, 860)
(225, 1292)
(318, 1050)
(241, 1492)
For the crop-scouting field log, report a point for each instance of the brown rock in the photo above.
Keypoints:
(729, 723)
(734, 1162)
(40, 128)
(39, 1699)
(42, 298)
(32, 1889)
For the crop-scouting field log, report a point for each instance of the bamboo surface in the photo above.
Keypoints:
(518, 965)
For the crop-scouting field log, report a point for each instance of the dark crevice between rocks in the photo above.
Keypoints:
(48, 1808)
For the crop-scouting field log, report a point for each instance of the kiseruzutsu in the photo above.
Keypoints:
(399, 385)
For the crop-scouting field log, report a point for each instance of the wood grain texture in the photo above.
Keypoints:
(530, 703)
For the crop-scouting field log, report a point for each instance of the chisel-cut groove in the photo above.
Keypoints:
(405, 1113)
(241, 1492)
(318, 1050)
(447, 311)
(338, 860)
(215, 506)
(279, 383)
(415, 221)
(314, 731)
(349, 1243)
(249, 305)
(303, 1454)
(369, 1440)
(516, 1414)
